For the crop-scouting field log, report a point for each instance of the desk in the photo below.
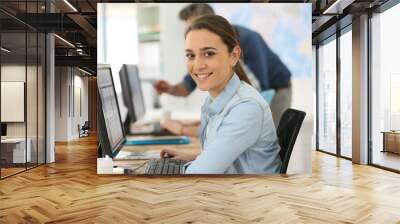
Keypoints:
(140, 165)
(13, 150)
(391, 141)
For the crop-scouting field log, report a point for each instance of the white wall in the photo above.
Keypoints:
(33, 126)
(67, 81)
(50, 95)
(61, 103)
(79, 118)
(14, 73)
(17, 73)
(302, 97)
(173, 59)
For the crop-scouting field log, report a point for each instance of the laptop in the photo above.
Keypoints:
(111, 135)
(133, 99)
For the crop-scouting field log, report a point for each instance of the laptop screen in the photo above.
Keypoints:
(110, 110)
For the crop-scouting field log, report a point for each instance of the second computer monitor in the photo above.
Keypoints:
(132, 91)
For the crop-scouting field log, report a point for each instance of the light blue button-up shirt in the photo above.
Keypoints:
(237, 134)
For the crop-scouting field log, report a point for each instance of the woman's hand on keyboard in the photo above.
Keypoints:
(178, 155)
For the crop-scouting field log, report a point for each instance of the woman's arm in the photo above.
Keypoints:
(179, 128)
(239, 130)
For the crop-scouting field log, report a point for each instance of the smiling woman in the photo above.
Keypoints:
(237, 133)
(212, 49)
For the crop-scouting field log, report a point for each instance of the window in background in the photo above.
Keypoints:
(395, 102)
(117, 37)
(385, 84)
(117, 40)
(149, 51)
(327, 96)
(346, 94)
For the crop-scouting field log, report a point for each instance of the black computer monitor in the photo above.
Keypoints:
(111, 135)
(132, 91)
(3, 129)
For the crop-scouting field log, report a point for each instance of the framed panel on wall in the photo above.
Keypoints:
(12, 100)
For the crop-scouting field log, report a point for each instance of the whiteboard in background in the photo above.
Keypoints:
(12, 101)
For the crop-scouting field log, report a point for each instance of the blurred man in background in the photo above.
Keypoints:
(268, 71)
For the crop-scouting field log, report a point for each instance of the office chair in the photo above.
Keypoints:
(287, 131)
(84, 130)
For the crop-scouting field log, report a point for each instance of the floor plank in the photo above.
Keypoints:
(70, 191)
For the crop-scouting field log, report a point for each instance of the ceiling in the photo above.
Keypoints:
(73, 21)
(76, 22)
(331, 15)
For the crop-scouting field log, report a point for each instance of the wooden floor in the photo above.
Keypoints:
(69, 191)
(5, 172)
(387, 159)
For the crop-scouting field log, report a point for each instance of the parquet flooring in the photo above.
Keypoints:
(70, 191)
(10, 171)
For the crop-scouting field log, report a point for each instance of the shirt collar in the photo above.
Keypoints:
(213, 107)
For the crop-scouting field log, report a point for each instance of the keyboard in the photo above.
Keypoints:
(165, 166)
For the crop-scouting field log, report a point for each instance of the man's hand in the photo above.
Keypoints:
(162, 86)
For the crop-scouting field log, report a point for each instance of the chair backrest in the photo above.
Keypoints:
(86, 125)
(287, 131)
